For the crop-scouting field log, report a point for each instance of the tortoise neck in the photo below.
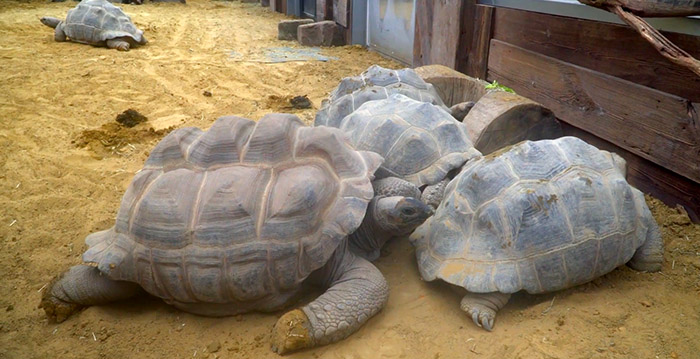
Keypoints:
(370, 237)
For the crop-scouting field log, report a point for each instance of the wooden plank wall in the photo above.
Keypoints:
(605, 83)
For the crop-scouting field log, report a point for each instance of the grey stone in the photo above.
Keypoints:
(322, 33)
(287, 29)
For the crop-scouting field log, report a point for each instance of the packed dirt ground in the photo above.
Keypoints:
(66, 163)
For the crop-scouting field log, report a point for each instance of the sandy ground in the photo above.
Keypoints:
(65, 166)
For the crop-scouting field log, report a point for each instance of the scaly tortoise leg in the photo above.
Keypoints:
(82, 286)
(357, 292)
(482, 307)
(118, 44)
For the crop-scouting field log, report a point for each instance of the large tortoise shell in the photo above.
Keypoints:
(539, 216)
(239, 212)
(420, 142)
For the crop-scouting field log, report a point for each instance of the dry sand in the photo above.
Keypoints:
(65, 166)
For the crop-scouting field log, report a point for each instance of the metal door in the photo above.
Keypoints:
(309, 8)
(390, 25)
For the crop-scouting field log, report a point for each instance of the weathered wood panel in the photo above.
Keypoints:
(612, 49)
(466, 34)
(477, 62)
(341, 12)
(437, 32)
(324, 10)
(279, 6)
(649, 177)
(423, 33)
(657, 126)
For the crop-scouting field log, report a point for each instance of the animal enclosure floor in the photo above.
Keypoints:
(65, 165)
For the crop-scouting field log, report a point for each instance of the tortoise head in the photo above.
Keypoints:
(401, 215)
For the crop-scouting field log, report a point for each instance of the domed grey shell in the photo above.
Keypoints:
(240, 212)
(420, 142)
(95, 21)
(539, 217)
(375, 83)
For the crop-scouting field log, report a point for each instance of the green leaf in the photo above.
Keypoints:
(498, 87)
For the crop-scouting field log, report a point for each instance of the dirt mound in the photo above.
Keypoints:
(119, 138)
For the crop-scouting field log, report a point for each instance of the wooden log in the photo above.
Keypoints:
(452, 86)
(501, 119)
(657, 126)
(651, 8)
(596, 45)
(648, 177)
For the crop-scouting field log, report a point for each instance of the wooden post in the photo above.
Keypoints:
(478, 57)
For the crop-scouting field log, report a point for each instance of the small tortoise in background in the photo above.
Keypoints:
(236, 219)
(375, 83)
(97, 23)
(538, 216)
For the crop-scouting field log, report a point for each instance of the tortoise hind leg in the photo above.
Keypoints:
(81, 286)
(482, 307)
(650, 256)
(119, 44)
(357, 292)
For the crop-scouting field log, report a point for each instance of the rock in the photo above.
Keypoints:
(645, 303)
(206, 93)
(680, 219)
(130, 118)
(300, 102)
(265, 3)
(214, 347)
(287, 29)
(322, 33)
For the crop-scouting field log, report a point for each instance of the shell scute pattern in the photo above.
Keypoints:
(240, 212)
(375, 83)
(421, 143)
(95, 21)
(541, 229)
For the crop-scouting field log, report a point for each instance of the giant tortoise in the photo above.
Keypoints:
(538, 216)
(236, 219)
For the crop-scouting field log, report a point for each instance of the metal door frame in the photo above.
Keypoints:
(296, 8)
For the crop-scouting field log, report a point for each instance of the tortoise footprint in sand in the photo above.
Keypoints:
(97, 23)
(236, 219)
(538, 216)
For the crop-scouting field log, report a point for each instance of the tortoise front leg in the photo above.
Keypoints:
(81, 286)
(118, 44)
(434, 194)
(58, 33)
(357, 292)
(482, 307)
